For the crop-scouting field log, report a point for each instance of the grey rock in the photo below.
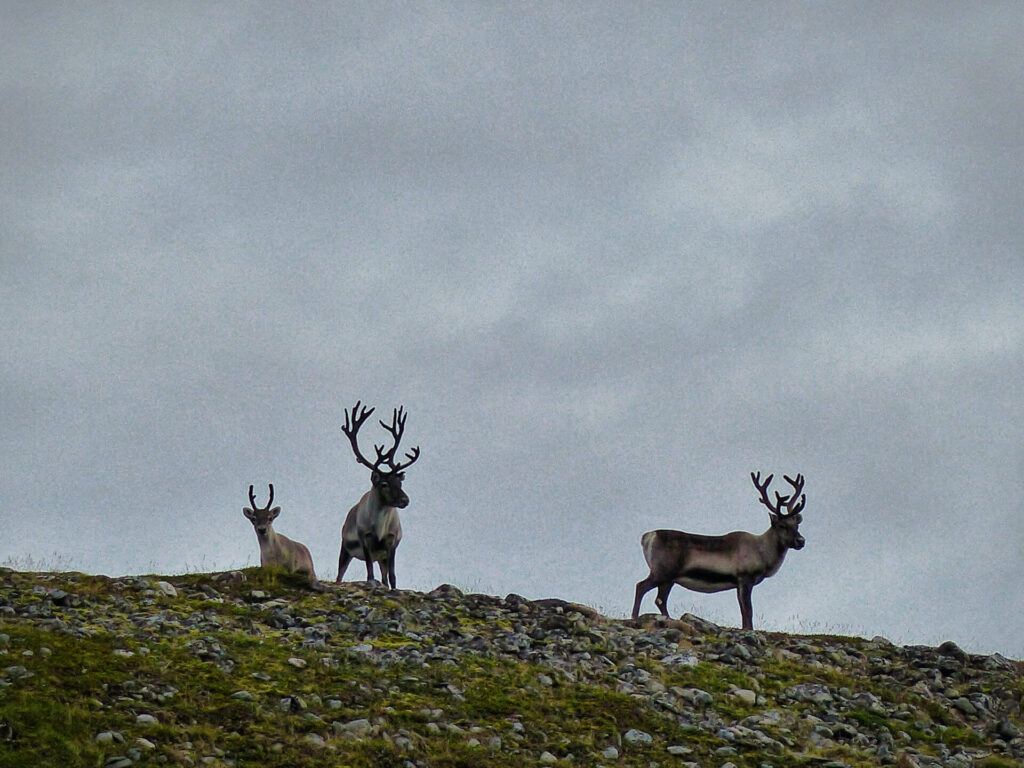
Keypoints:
(814, 693)
(359, 727)
(964, 705)
(167, 588)
(1008, 730)
(745, 695)
(17, 672)
(635, 736)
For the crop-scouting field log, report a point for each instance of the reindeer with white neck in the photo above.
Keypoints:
(372, 530)
(737, 560)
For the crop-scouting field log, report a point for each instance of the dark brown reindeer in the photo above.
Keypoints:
(737, 560)
(372, 530)
(275, 548)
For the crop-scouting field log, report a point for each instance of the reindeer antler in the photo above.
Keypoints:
(353, 422)
(351, 428)
(397, 429)
(252, 499)
(791, 504)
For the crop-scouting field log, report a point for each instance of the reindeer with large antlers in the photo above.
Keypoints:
(372, 530)
(737, 560)
(276, 548)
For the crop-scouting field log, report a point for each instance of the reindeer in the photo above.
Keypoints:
(276, 548)
(737, 560)
(372, 530)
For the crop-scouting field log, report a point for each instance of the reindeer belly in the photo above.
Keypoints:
(378, 549)
(703, 580)
(705, 571)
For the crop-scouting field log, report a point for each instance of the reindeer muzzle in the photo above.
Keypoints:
(799, 543)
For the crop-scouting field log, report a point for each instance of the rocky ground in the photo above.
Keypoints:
(255, 668)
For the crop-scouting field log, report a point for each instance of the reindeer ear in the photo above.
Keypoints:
(375, 477)
(774, 518)
(248, 513)
(274, 513)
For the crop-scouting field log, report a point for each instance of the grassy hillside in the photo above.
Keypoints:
(255, 668)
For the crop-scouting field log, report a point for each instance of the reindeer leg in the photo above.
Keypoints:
(344, 558)
(642, 588)
(391, 569)
(367, 557)
(743, 592)
(662, 599)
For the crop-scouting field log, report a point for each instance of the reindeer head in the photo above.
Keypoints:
(386, 474)
(261, 518)
(785, 512)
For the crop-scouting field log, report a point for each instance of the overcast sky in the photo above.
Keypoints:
(611, 258)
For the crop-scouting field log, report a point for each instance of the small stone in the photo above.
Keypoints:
(546, 758)
(109, 737)
(242, 696)
(610, 753)
(297, 662)
(546, 681)
(314, 739)
(965, 706)
(949, 648)
(1008, 730)
(125, 654)
(678, 750)
(745, 695)
(146, 720)
(680, 660)
(17, 672)
(167, 588)
(258, 594)
(634, 736)
(118, 761)
(293, 704)
(359, 727)
(144, 743)
(494, 743)
(814, 693)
